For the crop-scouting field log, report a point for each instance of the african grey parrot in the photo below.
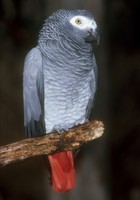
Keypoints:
(59, 83)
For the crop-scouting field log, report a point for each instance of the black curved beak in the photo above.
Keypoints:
(93, 36)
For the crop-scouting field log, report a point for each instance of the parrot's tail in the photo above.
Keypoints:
(63, 172)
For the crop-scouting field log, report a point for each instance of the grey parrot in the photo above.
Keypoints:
(59, 83)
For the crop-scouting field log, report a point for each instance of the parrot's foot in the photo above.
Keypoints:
(81, 121)
(61, 130)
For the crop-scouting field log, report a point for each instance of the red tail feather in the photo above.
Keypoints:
(63, 172)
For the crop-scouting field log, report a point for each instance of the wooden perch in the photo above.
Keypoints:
(51, 143)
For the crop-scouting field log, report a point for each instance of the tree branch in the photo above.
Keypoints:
(51, 143)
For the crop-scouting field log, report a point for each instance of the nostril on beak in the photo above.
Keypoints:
(91, 30)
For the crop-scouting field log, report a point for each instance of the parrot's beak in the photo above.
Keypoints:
(93, 36)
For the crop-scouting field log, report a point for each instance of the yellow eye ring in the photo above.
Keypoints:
(78, 21)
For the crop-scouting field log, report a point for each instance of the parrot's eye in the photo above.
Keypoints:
(78, 21)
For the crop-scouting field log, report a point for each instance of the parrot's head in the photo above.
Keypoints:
(81, 27)
(76, 25)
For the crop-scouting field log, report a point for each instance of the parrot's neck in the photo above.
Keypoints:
(68, 58)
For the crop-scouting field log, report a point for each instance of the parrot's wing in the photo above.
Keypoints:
(93, 83)
(95, 69)
(33, 93)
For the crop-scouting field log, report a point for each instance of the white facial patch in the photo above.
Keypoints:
(83, 22)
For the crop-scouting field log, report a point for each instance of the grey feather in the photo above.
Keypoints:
(93, 85)
(33, 92)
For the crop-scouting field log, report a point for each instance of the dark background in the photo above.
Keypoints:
(109, 167)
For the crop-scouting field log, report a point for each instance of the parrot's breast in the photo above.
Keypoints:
(65, 100)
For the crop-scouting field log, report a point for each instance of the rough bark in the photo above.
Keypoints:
(51, 143)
